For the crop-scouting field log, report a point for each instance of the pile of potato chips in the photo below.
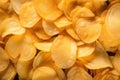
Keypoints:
(60, 39)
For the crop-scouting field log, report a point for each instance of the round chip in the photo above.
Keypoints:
(47, 9)
(45, 73)
(28, 15)
(77, 73)
(4, 60)
(63, 51)
(88, 31)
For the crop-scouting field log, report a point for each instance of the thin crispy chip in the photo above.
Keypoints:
(81, 12)
(43, 46)
(50, 28)
(88, 31)
(48, 10)
(62, 23)
(21, 45)
(4, 60)
(69, 5)
(85, 50)
(42, 58)
(100, 60)
(11, 26)
(45, 73)
(9, 73)
(63, 51)
(28, 15)
(23, 68)
(59, 72)
(116, 61)
(109, 43)
(112, 21)
(72, 33)
(77, 73)
(16, 4)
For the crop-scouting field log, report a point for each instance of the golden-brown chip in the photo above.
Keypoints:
(77, 73)
(100, 59)
(28, 15)
(88, 31)
(85, 50)
(4, 60)
(48, 10)
(63, 51)
(45, 73)
(50, 28)
(11, 26)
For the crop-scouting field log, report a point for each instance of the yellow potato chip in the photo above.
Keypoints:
(16, 5)
(72, 33)
(112, 21)
(100, 60)
(45, 73)
(59, 72)
(63, 51)
(42, 58)
(4, 60)
(9, 73)
(11, 26)
(85, 50)
(23, 68)
(50, 28)
(88, 31)
(21, 45)
(110, 44)
(81, 12)
(62, 23)
(48, 10)
(28, 15)
(77, 73)
(115, 61)
(43, 46)
(99, 5)
(69, 5)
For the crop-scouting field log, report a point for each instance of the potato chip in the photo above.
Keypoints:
(11, 26)
(9, 73)
(106, 74)
(81, 12)
(23, 68)
(42, 58)
(69, 5)
(112, 21)
(21, 45)
(59, 72)
(77, 73)
(62, 23)
(72, 33)
(99, 5)
(88, 31)
(4, 60)
(43, 46)
(45, 73)
(109, 43)
(63, 51)
(4, 4)
(115, 61)
(79, 43)
(16, 5)
(3, 15)
(48, 10)
(50, 28)
(100, 60)
(28, 15)
(85, 50)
